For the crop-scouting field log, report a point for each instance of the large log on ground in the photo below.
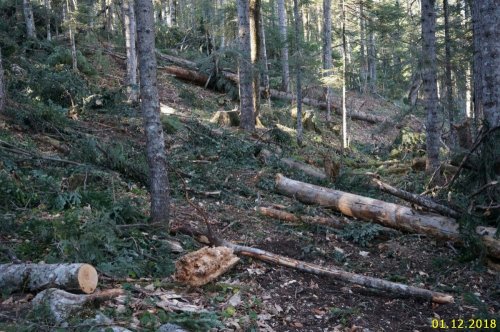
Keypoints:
(187, 74)
(63, 305)
(387, 214)
(35, 277)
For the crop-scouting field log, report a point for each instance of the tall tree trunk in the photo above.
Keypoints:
(28, 19)
(223, 24)
(150, 105)
(298, 40)
(448, 82)
(245, 67)
(3, 93)
(468, 96)
(255, 45)
(285, 70)
(372, 62)
(430, 84)
(266, 93)
(489, 34)
(130, 36)
(478, 72)
(47, 15)
(327, 54)
(70, 21)
(345, 142)
(164, 12)
(363, 66)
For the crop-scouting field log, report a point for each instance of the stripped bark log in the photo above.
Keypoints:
(35, 277)
(310, 170)
(63, 304)
(416, 199)
(384, 213)
(334, 273)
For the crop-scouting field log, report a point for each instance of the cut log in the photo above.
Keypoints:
(226, 118)
(63, 305)
(331, 272)
(416, 199)
(177, 61)
(35, 277)
(310, 170)
(384, 213)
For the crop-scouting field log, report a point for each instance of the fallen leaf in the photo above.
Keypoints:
(235, 300)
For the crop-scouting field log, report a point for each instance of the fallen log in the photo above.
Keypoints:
(187, 74)
(310, 170)
(384, 213)
(355, 115)
(35, 277)
(63, 305)
(324, 221)
(287, 216)
(334, 273)
(416, 199)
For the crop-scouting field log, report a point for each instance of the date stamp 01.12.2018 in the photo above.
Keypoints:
(469, 324)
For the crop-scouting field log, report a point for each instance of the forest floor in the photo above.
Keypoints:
(253, 296)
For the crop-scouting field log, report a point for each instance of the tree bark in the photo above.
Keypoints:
(387, 214)
(63, 305)
(363, 72)
(298, 69)
(263, 57)
(255, 49)
(285, 70)
(28, 19)
(150, 106)
(47, 14)
(245, 67)
(345, 143)
(70, 21)
(3, 92)
(416, 199)
(327, 54)
(429, 84)
(448, 82)
(130, 37)
(478, 71)
(35, 277)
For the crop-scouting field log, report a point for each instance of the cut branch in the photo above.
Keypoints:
(35, 277)
(416, 199)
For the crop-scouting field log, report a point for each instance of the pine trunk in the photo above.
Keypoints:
(130, 37)
(47, 14)
(266, 93)
(3, 93)
(285, 70)
(363, 66)
(448, 82)
(299, 70)
(372, 63)
(28, 19)
(345, 142)
(150, 105)
(327, 54)
(430, 84)
(255, 46)
(245, 67)
(478, 72)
